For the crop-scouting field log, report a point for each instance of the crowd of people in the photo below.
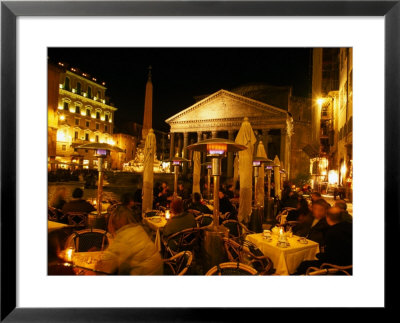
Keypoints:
(133, 250)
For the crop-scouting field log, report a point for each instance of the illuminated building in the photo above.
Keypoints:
(84, 115)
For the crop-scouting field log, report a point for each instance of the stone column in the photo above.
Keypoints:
(230, 156)
(282, 152)
(180, 144)
(204, 155)
(214, 134)
(184, 151)
(265, 140)
(172, 145)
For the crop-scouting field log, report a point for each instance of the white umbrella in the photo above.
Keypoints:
(236, 170)
(246, 138)
(196, 171)
(260, 182)
(277, 177)
(148, 176)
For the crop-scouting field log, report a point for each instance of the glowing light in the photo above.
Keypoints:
(62, 117)
(61, 135)
(72, 110)
(333, 177)
(167, 215)
(102, 118)
(60, 108)
(94, 79)
(85, 94)
(217, 149)
(343, 169)
(61, 64)
(61, 86)
(73, 91)
(109, 120)
(320, 101)
(92, 140)
(104, 101)
(94, 98)
(93, 116)
(104, 83)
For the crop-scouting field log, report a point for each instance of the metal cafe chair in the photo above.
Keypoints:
(179, 264)
(77, 219)
(181, 241)
(237, 230)
(204, 220)
(248, 253)
(329, 269)
(88, 240)
(231, 269)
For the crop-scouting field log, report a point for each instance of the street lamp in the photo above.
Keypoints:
(216, 149)
(176, 162)
(209, 167)
(102, 150)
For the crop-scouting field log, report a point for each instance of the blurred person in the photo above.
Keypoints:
(58, 199)
(224, 204)
(319, 225)
(338, 243)
(179, 220)
(131, 252)
(230, 191)
(183, 192)
(198, 205)
(78, 204)
(341, 204)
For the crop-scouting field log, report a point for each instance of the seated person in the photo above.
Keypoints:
(319, 226)
(77, 204)
(230, 192)
(301, 210)
(132, 252)
(224, 204)
(197, 205)
(343, 206)
(338, 244)
(164, 195)
(313, 226)
(183, 192)
(127, 209)
(58, 200)
(179, 220)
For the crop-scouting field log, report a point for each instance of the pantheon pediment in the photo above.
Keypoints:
(225, 110)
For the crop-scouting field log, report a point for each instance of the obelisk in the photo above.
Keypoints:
(148, 107)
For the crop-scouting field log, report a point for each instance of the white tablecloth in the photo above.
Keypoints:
(285, 260)
(156, 226)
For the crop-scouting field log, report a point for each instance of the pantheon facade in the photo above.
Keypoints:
(220, 115)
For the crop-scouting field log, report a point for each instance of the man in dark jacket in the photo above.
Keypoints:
(179, 220)
(338, 243)
(319, 226)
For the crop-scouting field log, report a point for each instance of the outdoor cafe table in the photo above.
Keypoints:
(285, 260)
(87, 260)
(156, 224)
(51, 226)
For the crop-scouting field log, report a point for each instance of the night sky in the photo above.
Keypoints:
(179, 74)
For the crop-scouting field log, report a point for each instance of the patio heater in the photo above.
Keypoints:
(283, 176)
(258, 161)
(216, 149)
(101, 151)
(177, 162)
(209, 170)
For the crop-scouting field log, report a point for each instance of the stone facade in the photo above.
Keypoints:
(220, 115)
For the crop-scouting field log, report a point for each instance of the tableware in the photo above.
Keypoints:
(303, 240)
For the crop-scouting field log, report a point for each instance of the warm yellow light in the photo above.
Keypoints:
(72, 110)
(60, 108)
(62, 117)
(73, 90)
(109, 120)
(61, 86)
(167, 214)
(217, 149)
(104, 101)
(92, 140)
(320, 101)
(343, 170)
(85, 94)
(94, 98)
(60, 135)
(102, 118)
(93, 116)
(333, 177)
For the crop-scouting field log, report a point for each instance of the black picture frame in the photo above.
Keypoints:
(10, 10)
